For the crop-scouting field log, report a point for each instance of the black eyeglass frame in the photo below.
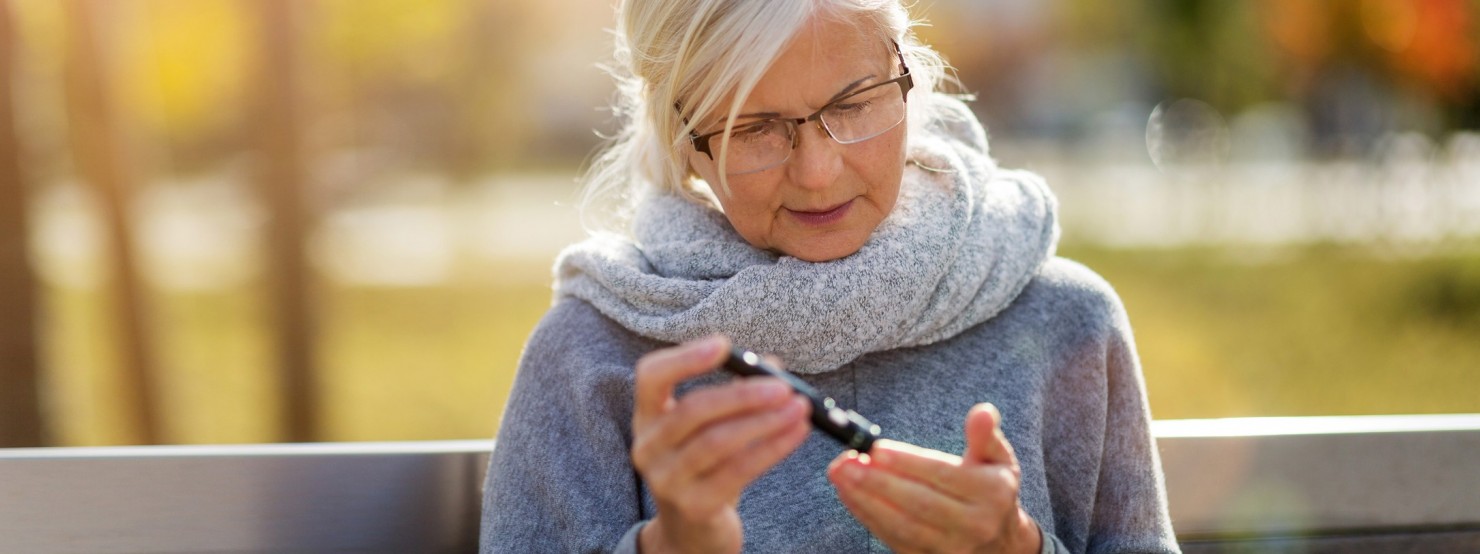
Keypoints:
(904, 80)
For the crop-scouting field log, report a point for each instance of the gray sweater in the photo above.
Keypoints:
(1059, 362)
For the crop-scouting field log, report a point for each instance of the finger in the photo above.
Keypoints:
(991, 489)
(984, 485)
(731, 439)
(661, 437)
(895, 526)
(921, 501)
(731, 476)
(708, 406)
(933, 468)
(660, 371)
(985, 442)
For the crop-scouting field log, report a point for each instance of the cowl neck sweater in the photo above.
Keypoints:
(965, 237)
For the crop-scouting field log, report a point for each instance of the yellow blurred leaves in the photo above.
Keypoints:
(174, 63)
(183, 62)
(400, 37)
(181, 67)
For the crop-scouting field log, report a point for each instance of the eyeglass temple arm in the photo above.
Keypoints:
(903, 69)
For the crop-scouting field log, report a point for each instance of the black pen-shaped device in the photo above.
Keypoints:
(846, 426)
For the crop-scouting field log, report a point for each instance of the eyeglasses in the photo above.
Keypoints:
(852, 119)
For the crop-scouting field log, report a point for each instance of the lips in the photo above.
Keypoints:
(822, 217)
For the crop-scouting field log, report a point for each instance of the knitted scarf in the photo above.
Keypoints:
(963, 240)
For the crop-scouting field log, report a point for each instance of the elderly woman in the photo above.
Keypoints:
(794, 184)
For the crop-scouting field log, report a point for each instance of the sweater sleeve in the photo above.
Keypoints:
(560, 478)
(1130, 513)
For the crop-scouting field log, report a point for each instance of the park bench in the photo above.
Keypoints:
(1325, 484)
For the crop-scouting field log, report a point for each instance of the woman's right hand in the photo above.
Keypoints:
(698, 453)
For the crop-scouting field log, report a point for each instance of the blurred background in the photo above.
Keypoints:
(228, 221)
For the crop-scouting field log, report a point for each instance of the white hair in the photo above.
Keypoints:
(686, 56)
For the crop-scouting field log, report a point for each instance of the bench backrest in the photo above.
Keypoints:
(1369, 484)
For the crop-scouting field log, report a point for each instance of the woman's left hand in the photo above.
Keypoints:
(920, 500)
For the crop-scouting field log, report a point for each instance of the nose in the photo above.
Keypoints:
(818, 159)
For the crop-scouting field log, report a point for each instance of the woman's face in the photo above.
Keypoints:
(824, 202)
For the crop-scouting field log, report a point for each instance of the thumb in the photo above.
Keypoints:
(985, 443)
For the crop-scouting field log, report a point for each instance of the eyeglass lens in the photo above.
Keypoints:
(855, 118)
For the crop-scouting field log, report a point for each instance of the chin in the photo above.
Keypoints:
(824, 251)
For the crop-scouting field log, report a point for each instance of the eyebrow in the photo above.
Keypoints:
(771, 115)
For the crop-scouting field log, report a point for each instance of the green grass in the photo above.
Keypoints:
(1316, 331)
(396, 364)
(1221, 333)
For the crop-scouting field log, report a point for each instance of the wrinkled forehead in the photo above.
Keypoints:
(826, 44)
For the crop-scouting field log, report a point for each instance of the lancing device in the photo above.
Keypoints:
(847, 426)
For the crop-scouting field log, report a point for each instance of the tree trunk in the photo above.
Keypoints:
(20, 395)
(283, 181)
(100, 153)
